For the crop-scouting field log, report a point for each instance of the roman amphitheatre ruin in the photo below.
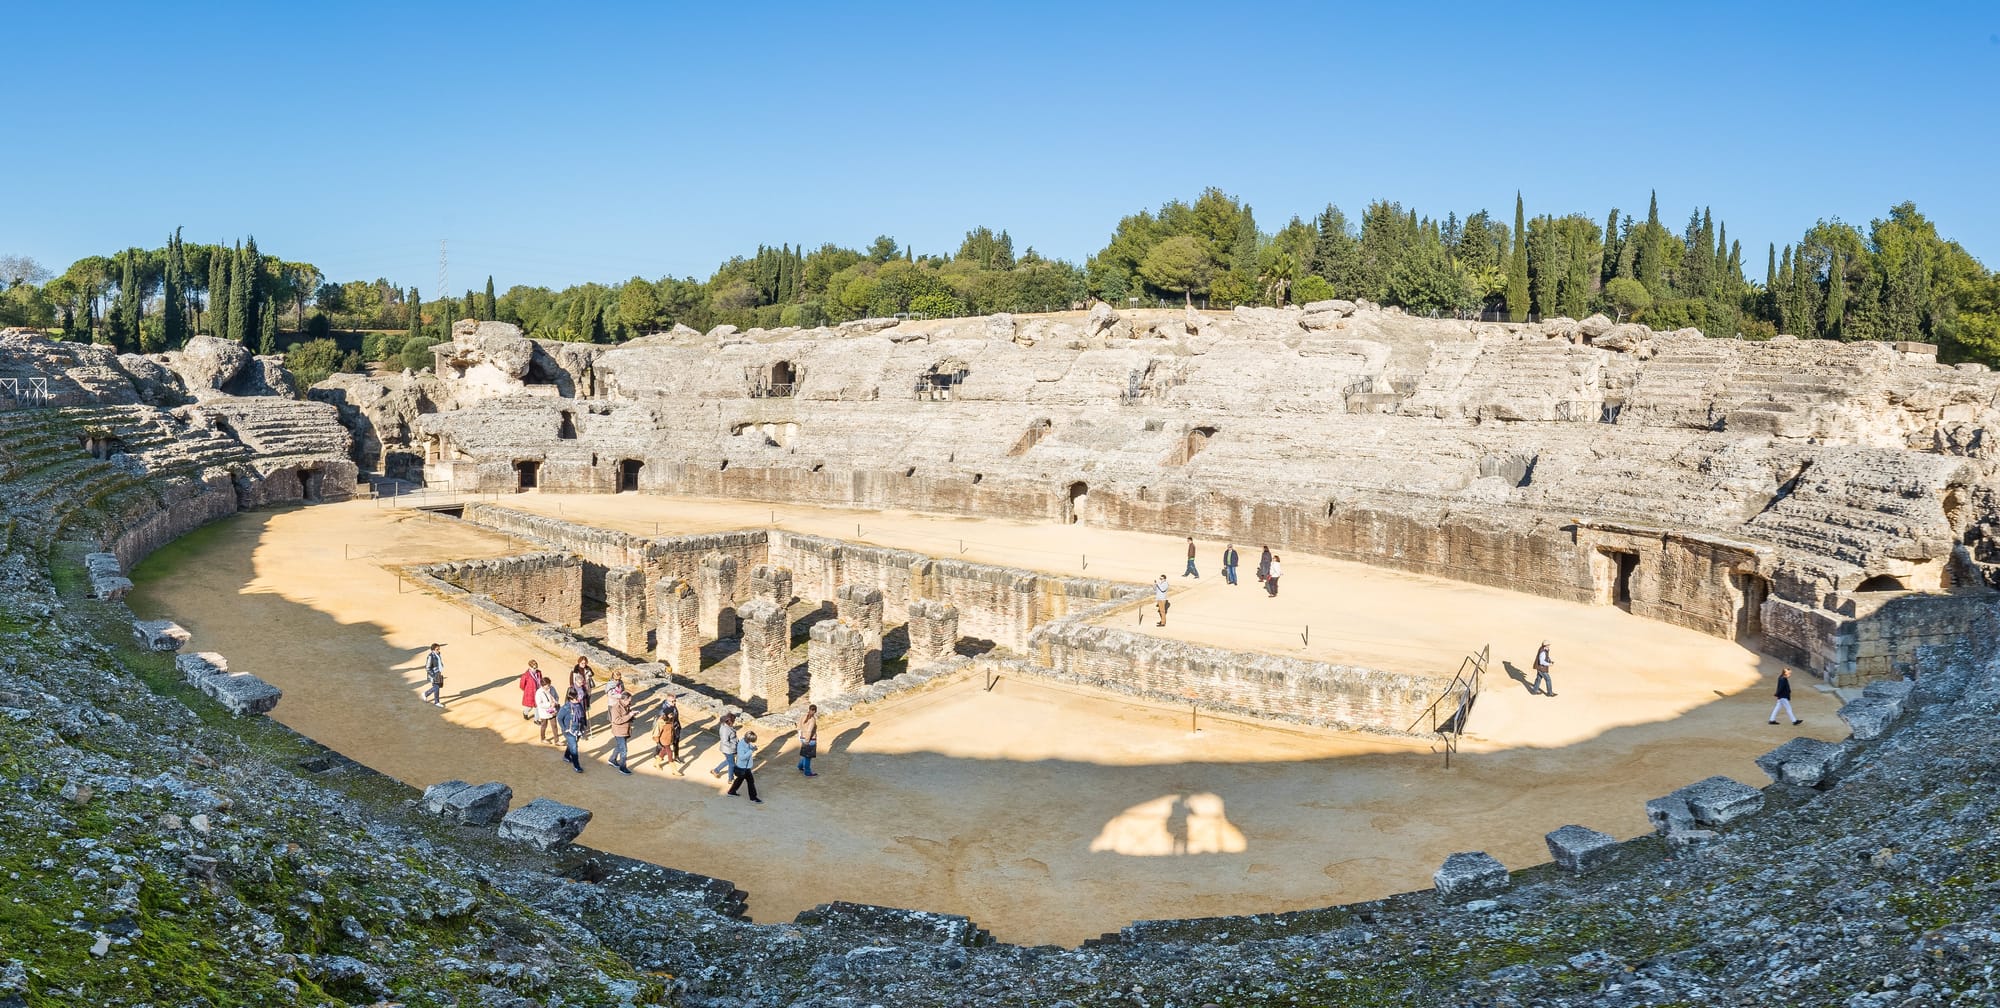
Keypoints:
(945, 533)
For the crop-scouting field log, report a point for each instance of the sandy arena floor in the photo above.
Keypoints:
(1046, 814)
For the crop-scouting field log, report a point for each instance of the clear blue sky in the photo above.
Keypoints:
(553, 143)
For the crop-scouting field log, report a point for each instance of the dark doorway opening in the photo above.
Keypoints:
(1078, 503)
(628, 475)
(1751, 591)
(1619, 589)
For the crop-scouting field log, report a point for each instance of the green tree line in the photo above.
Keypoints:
(1896, 279)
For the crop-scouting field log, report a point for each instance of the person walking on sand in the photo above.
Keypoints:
(621, 724)
(1784, 695)
(809, 740)
(667, 736)
(531, 684)
(546, 707)
(741, 770)
(725, 733)
(1191, 572)
(1543, 684)
(570, 719)
(1271, 580)
(434, 673)
(1229, 559)
(582, 680)
(1160, 599)
(1264, 566)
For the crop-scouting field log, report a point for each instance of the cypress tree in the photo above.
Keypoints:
(1517, 267)
(218, 293)
(1650, 261)
(173, 328)
(490, 313)
(242, 282)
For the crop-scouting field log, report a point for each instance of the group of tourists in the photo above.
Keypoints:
(560, 708)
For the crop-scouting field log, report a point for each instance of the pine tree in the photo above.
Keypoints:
(490, 306)
(173, 326)
(1517, 267)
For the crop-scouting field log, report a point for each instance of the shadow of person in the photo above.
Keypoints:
(846, 738)
(1514, 672)
(1177, 824)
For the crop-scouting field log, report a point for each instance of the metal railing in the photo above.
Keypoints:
(1446, 715)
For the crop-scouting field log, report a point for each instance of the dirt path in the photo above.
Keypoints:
(1045, 814)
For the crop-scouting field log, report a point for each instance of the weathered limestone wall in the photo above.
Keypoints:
(1337, 696)
(765, 655)
(627, 615)
(836, 660)
(546, 586)
(677, 634)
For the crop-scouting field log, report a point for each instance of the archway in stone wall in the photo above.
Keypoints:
(1078, 503)
(628, 475)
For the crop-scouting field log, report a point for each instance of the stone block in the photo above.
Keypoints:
(1470, 873)
(1868, 717)
(544, 824)
(1719, 801)
(1669, 813)
(478, 805)
(1580, 849)
(434, 796)
(107, 576)
(159, 635)
(1803, 761)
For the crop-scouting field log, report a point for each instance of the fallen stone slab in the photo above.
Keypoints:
(107, 576)
(1470, 873)
(480, 804)
(1805, 762)
(1719, 801)
(545, 824)
(1868, 717)
(159, 635)
(1581, 849)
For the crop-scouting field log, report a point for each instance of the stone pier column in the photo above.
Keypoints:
(933, 632)
(766, 654)
(625, 611)
(678, 634)
(771, 582)
(836, 660)
(860, 606)
(717, 592)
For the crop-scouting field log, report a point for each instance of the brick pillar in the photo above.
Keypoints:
(771, 582)
(836, 660)
(678, 637)
(860, 606)
(933, 632)
(766, 654)
(718, 596)
(625, 611)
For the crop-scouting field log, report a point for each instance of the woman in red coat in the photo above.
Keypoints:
(531, 683)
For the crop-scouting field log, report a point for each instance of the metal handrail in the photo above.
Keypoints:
(1464, 691)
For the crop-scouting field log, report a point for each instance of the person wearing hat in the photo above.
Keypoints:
(1543, 684)
(667, 736)
(740, 772)
(434, 671)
